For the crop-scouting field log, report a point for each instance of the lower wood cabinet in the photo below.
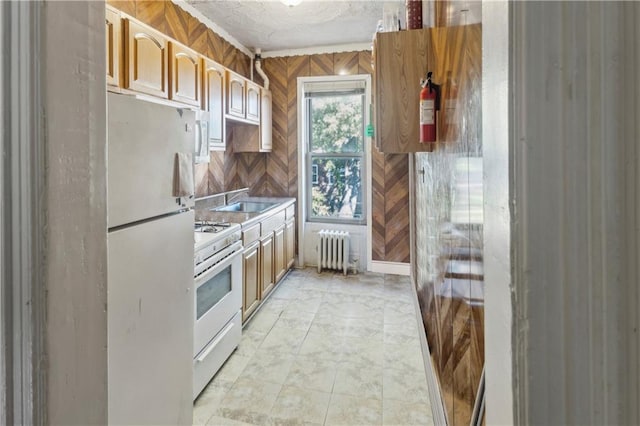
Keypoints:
(290, 242)
(266, 262)
(279, 253)
(251, 279)
(268, 255)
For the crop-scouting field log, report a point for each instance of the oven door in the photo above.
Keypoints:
(218, 297)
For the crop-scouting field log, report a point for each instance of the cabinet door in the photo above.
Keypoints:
(235, 95)
(266, 264)
(290, 242)
(113, 47)
(146, 60)
(451, 53)
(185, 71)
(214, 103)
(265, 122)
(253, 102)
(279, 253)
(251, 280)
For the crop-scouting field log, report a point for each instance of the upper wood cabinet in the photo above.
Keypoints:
(236, 88)
(265, 121)
(243, 99)
(113, 34)
(253, 102)
(147, 59)
(250, 138)
(213, 103)
(185, 75)
(402, 59)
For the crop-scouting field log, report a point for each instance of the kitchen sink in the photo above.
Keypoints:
(246, 207)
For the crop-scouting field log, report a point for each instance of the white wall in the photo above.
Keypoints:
(568, 238)
(74, 90)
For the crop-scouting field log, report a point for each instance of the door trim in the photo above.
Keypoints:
(22, 217)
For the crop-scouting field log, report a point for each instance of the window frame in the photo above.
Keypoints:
(361, 155)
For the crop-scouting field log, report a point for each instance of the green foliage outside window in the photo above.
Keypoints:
(337, 130)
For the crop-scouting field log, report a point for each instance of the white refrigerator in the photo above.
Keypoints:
(150, 266)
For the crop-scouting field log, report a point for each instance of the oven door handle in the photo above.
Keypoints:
(215, 342)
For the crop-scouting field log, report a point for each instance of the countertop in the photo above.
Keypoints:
(245, 219)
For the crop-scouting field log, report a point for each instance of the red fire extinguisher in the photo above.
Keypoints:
(429, 104)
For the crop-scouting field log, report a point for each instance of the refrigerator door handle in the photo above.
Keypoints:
(202, 139)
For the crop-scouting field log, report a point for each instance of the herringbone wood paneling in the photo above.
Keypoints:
(277, 165)
(297, 66)
(228, 55)
(345, 63)
(378, 228)
(152, 13)
(177, 23)
(216, 46)
(242, 64)
(321, 64)
(199, 38)
(251, 168)
(364, 63)
(201, 177)
(126, 6)
(216, 172)
(397, 208)
(390, 190)
(231, 180)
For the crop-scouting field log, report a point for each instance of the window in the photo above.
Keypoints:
(334, 127)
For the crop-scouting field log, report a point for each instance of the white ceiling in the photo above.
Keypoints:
(313, 26)
(272, 26)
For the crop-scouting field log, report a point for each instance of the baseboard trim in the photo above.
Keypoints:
(395, 268)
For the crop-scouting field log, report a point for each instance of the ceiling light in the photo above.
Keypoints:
(291, 3)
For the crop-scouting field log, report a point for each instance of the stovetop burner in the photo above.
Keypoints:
(211, 237)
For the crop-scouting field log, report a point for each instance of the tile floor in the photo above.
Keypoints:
(325, 349)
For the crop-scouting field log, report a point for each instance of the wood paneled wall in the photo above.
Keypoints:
(173, 21)
(276, 174)
(449, 225)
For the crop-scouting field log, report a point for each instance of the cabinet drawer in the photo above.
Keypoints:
(272, 222)
(250, 234)
(290, 211)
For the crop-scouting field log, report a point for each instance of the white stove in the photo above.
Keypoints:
(217, 296)
(212, 237)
